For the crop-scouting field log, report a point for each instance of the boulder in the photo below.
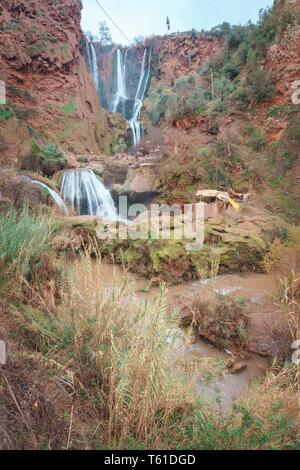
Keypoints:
(19, 190)
(140, 185)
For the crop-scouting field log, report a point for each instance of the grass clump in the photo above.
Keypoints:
(69, 108)
(260, 421)
(24, 239)
(120, 352)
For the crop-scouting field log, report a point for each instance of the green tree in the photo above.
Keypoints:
(105, 34)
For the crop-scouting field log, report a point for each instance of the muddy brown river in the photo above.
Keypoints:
(251, 287)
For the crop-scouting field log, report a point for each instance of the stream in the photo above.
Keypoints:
(251, 286)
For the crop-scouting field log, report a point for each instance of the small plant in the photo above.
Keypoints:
(69, 107)
(279, 110)
(231, 71)
(5, 114)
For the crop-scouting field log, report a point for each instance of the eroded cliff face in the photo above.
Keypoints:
(51, 96)
(182, 54)
(283, 59)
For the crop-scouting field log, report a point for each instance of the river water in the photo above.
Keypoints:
(250, 287)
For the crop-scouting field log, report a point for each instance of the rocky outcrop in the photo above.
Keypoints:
(231, 246)
(17, 190)
(50, 94)
(182, 54)
(140, 185)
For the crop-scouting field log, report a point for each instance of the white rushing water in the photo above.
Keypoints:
(81, 190)
(92, 62)
(89, 55)
(95, 72)
(120, 96)
(135, 124)
(56, 197)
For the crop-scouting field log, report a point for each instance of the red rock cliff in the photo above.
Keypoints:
(178, 55)
(51, 96)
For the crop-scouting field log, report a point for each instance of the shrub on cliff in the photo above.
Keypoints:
(258, 85)
(47, 159)
(257, 138)
(231, 71)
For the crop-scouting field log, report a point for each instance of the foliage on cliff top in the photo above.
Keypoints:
(47, 159)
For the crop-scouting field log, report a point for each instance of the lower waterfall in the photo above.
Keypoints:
(82, 191)
(56, 197)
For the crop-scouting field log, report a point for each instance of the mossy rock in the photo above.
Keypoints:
(230, 248)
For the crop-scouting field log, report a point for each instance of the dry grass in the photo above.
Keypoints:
(119, 351)
(284, 262)
(106, 375)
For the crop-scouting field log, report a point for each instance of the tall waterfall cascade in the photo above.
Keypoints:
(82, 191)
(89, 55)
(92, 62)
(135, 123)
(121, 82)
(121, 95)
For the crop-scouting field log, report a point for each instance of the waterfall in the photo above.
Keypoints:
(92, 62)
(95, 72)
(89, 56)
(82, 190)
(56, 197)
(121, 95)
(121, 81)
(135, 124)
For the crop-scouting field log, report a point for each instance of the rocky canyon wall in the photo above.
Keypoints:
(51, 96)
(172, 56)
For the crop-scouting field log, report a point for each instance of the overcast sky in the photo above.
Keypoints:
(147, 17)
